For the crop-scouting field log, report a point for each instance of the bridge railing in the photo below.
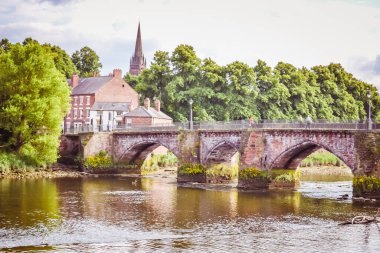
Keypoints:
(230, 125)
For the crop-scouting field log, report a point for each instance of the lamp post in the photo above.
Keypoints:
(191, 113)
(369, 121)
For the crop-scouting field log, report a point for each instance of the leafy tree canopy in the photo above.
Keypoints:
(238, 91)
(62, 60)
(34, 97)
(86, 61)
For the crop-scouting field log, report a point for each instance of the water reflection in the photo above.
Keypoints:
(155, 214)
(26, 203)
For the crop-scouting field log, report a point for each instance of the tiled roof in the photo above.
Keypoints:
(110, 106)
(89, 85)
(142, 112)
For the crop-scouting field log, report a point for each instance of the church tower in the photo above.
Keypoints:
(138, 61)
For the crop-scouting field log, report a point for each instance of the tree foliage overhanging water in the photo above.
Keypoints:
(239, 91)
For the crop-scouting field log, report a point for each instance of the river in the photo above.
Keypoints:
(122, 214)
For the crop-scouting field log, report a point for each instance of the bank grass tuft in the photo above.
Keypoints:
(321, 158)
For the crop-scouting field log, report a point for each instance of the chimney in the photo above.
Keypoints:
(147, 103)
(157, 105)
(74, 80)
(117, 73)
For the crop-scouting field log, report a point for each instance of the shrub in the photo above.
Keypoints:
(98, 161)
(11, 162)
(366, 185)
(191, 169)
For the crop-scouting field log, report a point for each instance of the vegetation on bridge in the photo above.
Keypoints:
(99, 161)
(366, 186)
(239, 91)
(223, 170)
(191, 169)
(273, 176)
(254, 173)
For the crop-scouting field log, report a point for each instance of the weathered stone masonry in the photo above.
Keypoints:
(263, 149)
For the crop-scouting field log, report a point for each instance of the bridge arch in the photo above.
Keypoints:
(138, 151)
(291, 157)
(221, 153)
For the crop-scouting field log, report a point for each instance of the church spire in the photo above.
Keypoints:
(138, 61)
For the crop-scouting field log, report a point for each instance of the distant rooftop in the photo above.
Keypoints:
(142, 112)
(89, 85)
(110, 106)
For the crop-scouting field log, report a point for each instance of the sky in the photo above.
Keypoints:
(300, 32)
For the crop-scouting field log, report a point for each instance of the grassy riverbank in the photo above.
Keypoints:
(55, 171)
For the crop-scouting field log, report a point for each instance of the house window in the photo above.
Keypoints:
(81, 100)
(75, 100)
(81, 113)
(75, 113)
(109, 116)
(119, 113)
(87, 113)
(88, 100)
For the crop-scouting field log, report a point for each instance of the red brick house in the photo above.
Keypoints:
(99, 102)
(146, 115)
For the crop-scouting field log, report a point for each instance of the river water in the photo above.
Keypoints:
(122, 214)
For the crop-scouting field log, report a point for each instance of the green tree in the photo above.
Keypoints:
(334, 92)
(86, 61)
(186, 78)
(156, 78)
(241, 91)
(34, 97)
(238, 91)
(62, 60)
(5, 45)
(273, 100)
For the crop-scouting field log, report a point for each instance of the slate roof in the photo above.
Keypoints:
(89, 85)
(142, 112)
(110, 106)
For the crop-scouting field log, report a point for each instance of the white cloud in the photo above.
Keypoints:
(301, 32)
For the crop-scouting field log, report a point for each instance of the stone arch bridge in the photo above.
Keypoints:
(265, 149)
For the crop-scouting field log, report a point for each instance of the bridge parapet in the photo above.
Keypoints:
(233, 125)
